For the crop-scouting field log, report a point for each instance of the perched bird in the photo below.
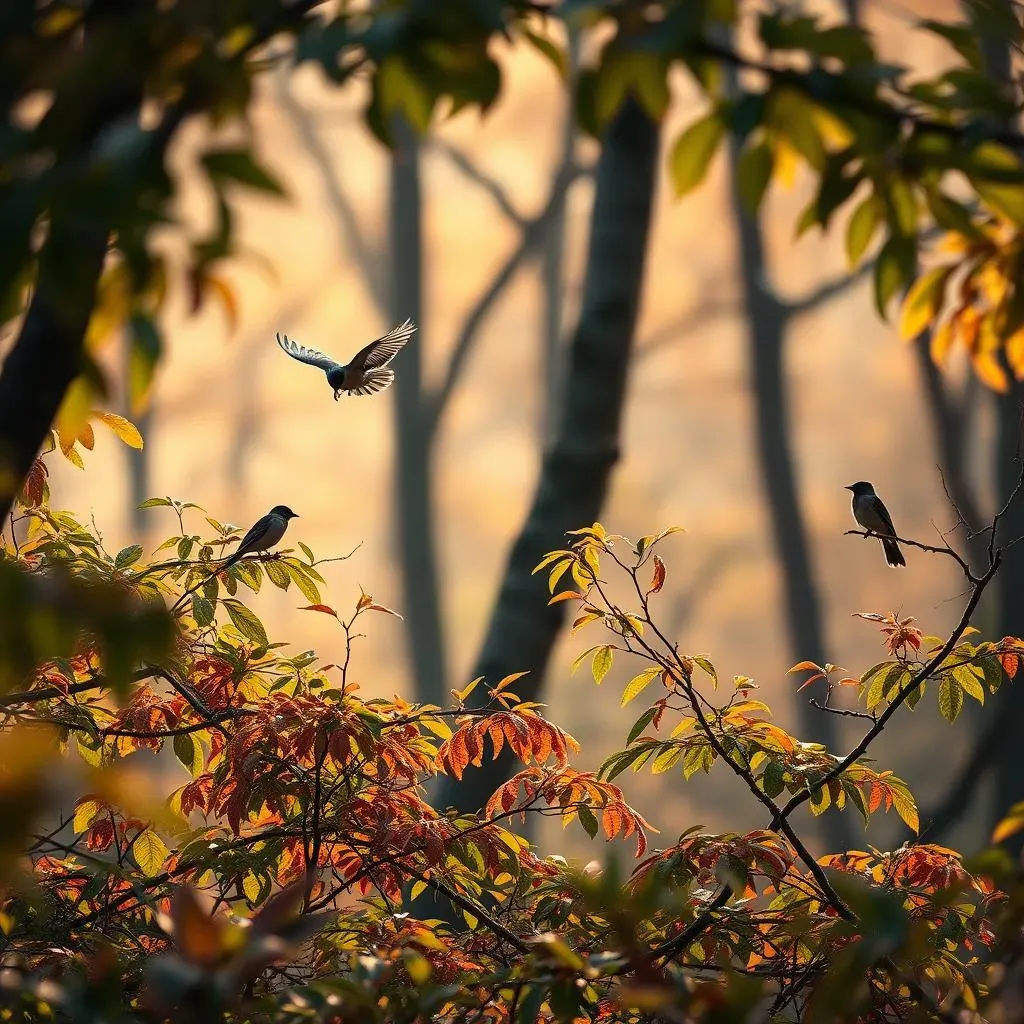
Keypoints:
(870, 513)
(263, 534)
(367, 373)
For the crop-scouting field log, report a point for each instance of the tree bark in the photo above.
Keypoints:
(414, 515)
(47, 356)
(576, 468)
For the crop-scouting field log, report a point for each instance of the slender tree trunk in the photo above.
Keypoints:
(767, 322)
(414, 514)
(576, 468)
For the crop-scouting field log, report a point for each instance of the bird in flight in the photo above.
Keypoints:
(871, 513)
(367, 373)
(263, 534)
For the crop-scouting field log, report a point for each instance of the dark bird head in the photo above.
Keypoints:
(284, 512)
(860, 487)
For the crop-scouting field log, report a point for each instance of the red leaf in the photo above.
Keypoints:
(326, 609)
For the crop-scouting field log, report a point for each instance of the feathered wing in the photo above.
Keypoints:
(373, 381)
(883, 513)
(308, 355)
(380, 352)
(893, 555)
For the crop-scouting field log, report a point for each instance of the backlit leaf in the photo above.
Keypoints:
(639, 683)
(693, 151)
(923, 302)
(150, 852)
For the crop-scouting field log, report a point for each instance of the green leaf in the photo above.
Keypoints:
(306, 586)
(155, 502)
(150, 852)
(402, 91)
(249, 572)
(969, 682)
(277, 574)
(923, 302)
(202, 610)
(903, 207)
(238, 165)
(623, 72)
(602, 662)
(641, 723)
(861, 228)
(793, 115)
(951, 698)
(753, 172)
(128, 556)
(706, 665)
(587, 819)
(246, 622)
(189, 751)
(693, 150)
(639, 683)
(667, 758)
(894, 269)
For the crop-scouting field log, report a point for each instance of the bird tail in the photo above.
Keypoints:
(893, 555)
(374, 381)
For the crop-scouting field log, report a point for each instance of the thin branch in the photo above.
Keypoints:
(930, 548)
(533, 234)
(493, 187)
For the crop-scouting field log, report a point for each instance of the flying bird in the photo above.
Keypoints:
(367, 373)
(871, 513)
(263, 534)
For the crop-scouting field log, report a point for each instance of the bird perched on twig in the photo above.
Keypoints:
(367, 373)
(263, 534)
(871, 513)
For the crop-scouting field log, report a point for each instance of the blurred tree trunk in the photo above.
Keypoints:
(767, 323)
(414, 512)
(576, 467)
(552, 269)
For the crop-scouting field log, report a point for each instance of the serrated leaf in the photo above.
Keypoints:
(277, 574)
(587, 819)
(128, 556)
(85, 812)
(202, 610)
(150, 852)
(666, 759)
(307, 587)
(602, 662)
(246, 622)
(639, 683)
(951, 698)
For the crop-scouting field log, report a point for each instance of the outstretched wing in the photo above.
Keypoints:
(308, 355)
(380, 352)
(373, 381)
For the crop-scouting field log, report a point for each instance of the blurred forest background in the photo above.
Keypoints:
(761, 375)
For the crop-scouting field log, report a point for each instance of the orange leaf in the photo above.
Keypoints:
(658, 581)
(326, 609)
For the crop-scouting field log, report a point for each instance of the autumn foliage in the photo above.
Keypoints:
(275, 881)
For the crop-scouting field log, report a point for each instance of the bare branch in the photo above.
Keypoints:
(490, 185)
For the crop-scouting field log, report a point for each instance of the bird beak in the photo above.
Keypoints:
(848, 487)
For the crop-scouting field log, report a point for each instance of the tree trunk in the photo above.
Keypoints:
(414, 509)
(576, 468)
(767, 320)
(47, 356)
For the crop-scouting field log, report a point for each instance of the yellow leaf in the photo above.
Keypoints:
(123, 428)
(85, 812)
(150, 852)
(942, 342)
(73, 415)
(1014, 822)
(787, 162)
(989, 371)
(639, 683)
(251, 887)
(923, 302)
(1014, 346)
